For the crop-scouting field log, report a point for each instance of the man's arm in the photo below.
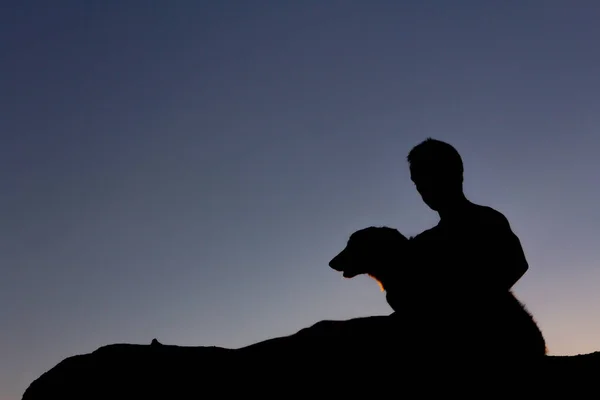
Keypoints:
(515, 262)
(504, 257)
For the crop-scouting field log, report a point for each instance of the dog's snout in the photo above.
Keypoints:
(335, 262)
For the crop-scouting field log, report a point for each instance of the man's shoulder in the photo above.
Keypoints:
(489, 215)
(480, 218)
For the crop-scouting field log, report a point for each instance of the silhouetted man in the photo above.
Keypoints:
(471, 258)
(477, 236)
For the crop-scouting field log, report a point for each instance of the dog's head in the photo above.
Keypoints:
(369, 251)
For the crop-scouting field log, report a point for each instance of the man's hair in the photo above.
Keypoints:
(438, 156)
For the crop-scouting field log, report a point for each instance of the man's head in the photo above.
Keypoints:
(436, 169)
(370, 251)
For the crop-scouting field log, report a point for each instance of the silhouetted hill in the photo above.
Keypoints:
(314, 360)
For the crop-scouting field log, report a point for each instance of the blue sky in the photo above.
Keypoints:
(185, 171)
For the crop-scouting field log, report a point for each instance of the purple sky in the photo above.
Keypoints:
(185, 171)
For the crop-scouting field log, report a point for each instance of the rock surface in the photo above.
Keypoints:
(329, 356)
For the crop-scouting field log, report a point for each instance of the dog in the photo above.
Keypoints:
(382, 254)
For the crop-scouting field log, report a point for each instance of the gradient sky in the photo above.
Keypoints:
(185, 170)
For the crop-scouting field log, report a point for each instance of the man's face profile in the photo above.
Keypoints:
(431, 185)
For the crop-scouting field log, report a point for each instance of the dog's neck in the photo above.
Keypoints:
(385, 274)
(378, 282)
